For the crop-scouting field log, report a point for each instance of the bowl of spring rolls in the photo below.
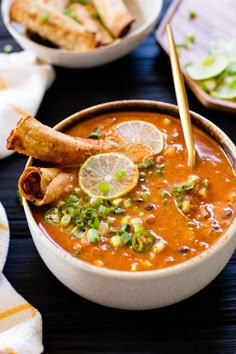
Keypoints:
(80, 34)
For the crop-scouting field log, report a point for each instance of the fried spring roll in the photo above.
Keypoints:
(84, 16)
(52, 25)
(42, 185)
(32, 138)
(115, 15)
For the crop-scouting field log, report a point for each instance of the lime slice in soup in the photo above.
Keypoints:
(108, 175)
(139, 139)
(207, 67)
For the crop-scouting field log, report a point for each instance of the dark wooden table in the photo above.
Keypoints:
(204, 323)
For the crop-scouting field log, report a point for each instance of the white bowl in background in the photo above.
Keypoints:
(146, 20)
(145, 289)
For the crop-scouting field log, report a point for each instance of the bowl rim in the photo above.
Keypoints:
(61, 51)
(160, 107)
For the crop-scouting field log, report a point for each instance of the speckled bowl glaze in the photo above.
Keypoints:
(137, 290)
(146, 20)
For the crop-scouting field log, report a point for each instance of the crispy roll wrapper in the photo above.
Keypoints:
(92, 24)
(115, 15)
(42, 185)
(32, 138)
(52, 25)
(57, 4)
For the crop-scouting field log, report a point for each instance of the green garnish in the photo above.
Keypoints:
(145, 164)
(95, 134)
(119, 174)
(125, 238)
(142, 241)
(65, 220)
(104, 187)
(45, 19)
(93, 236)
(180, 189)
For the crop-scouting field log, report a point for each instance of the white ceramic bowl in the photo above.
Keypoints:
(146, 19)
(137, 290)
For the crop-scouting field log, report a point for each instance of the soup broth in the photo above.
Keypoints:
(173, 214)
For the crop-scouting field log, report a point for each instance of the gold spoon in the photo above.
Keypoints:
(181, 97)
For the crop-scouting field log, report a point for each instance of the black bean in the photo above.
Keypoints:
(149, 206)
(184, 249)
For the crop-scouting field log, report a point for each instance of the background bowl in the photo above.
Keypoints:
(137, 290)
(146, 20)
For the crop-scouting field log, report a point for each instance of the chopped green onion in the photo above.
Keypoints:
(93, 236)
(116, 241)
(125, 238)
(119, 174)
(94, 222)
(95, 134)
(72, 199)
(87, 213)
(145, 164)
(104, 210)
(104, 187)
(125, 226)
(79, 223)
(179, 189)
(65, 220)
(127, 203)
(76, 233)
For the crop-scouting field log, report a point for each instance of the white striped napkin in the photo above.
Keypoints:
(20, 322)
(23, 82)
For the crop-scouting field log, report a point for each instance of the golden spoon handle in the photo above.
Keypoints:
(182, 100)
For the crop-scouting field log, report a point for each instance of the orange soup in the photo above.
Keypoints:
(171, 215)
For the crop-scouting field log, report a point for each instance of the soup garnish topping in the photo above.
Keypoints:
(108, 175)
(139, 139)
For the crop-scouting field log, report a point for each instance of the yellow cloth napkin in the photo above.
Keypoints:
(20, 322)
(23, 82)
